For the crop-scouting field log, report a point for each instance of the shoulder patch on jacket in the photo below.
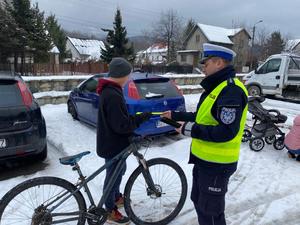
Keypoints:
(228, 115)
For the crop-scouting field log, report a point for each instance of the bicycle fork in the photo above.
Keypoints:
(152, 189)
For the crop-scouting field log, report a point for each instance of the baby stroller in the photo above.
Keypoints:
(264, 128)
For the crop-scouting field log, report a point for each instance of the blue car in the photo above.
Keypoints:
(143, 93)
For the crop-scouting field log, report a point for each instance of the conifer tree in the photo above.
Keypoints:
(57, 34)
(116, 43)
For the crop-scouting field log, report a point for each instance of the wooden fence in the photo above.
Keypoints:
(40, 69)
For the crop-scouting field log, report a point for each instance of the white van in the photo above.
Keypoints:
(279, 75)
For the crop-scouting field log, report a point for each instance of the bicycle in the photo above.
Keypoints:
(147, 201)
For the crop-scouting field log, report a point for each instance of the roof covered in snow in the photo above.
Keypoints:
(54, 50)
(218, 34)
(92, 48)
(291, 44)
(156, 48)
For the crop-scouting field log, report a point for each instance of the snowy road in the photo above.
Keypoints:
(263, 191)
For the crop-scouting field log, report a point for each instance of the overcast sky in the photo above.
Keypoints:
(89, 16)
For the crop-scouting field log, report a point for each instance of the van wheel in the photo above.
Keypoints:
(254, 90)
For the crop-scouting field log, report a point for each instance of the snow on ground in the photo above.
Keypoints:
(263, 191)
(51, 94)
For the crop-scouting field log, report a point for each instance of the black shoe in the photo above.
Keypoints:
(291, 155)
(298, 158)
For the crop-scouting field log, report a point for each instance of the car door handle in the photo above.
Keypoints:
(277, 77)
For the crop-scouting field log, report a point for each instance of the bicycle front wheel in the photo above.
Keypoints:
(30, 203)
(147, 208)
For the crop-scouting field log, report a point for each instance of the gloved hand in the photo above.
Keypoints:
(143, 117)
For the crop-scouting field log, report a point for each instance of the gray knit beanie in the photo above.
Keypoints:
(119, 67)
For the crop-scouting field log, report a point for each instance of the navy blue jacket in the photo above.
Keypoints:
(232, 97)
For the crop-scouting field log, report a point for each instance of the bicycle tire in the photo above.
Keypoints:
(38, 184)
(128, 200)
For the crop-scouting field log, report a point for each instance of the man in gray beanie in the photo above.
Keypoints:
(114, 127)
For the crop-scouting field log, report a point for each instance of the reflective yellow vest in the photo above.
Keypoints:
(218, 152)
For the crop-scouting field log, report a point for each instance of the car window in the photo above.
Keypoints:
(263, 69)
(272, 65)
(163, 88)
(294, 65)
(90, 85)
(10, 94)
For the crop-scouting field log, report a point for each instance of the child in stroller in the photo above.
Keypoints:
(264, 128)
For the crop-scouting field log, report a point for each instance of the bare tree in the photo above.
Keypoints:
(168, 30)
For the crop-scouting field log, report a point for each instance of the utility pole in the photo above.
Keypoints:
(252, 43)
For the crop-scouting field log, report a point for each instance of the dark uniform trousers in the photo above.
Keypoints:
(208, 193)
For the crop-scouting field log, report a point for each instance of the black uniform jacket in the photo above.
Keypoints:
(231, 98)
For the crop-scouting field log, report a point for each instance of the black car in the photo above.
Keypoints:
(22, 125)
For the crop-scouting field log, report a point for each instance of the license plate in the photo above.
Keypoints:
(2, 143)
(161, 124)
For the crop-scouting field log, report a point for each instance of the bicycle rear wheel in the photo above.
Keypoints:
(143, 206)
(29, 203)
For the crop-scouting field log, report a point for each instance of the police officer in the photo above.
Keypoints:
(216, 130)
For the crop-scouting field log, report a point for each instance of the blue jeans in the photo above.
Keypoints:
(293, 151)
(115, 191)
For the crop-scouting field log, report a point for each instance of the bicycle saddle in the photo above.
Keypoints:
(71, 160)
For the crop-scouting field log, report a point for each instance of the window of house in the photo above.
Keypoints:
(197, 38)
(183, 58)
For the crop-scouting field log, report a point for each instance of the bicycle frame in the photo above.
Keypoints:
(121, 157)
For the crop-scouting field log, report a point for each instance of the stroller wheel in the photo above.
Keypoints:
(270, 140)
(279, 144)
(257, 144)
(246, 135)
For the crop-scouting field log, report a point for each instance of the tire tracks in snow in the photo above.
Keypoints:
(239, 177)
(256, 208)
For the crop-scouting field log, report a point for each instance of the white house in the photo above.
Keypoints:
(155, 54)
(84, 50)
(236, 39)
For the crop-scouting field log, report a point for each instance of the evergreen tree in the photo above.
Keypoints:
(40, 40)
(116, 43)
(9, 42)
(31, 30)
(275, 43)
(57, 34)
(107, 53)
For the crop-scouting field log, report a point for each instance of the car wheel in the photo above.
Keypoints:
(72, 110)
(254, 90)
(42, 155)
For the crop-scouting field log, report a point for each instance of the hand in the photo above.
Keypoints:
(179, 130)
(167, 114)
(145, 116)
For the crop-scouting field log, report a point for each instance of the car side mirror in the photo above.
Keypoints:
(256, 71)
